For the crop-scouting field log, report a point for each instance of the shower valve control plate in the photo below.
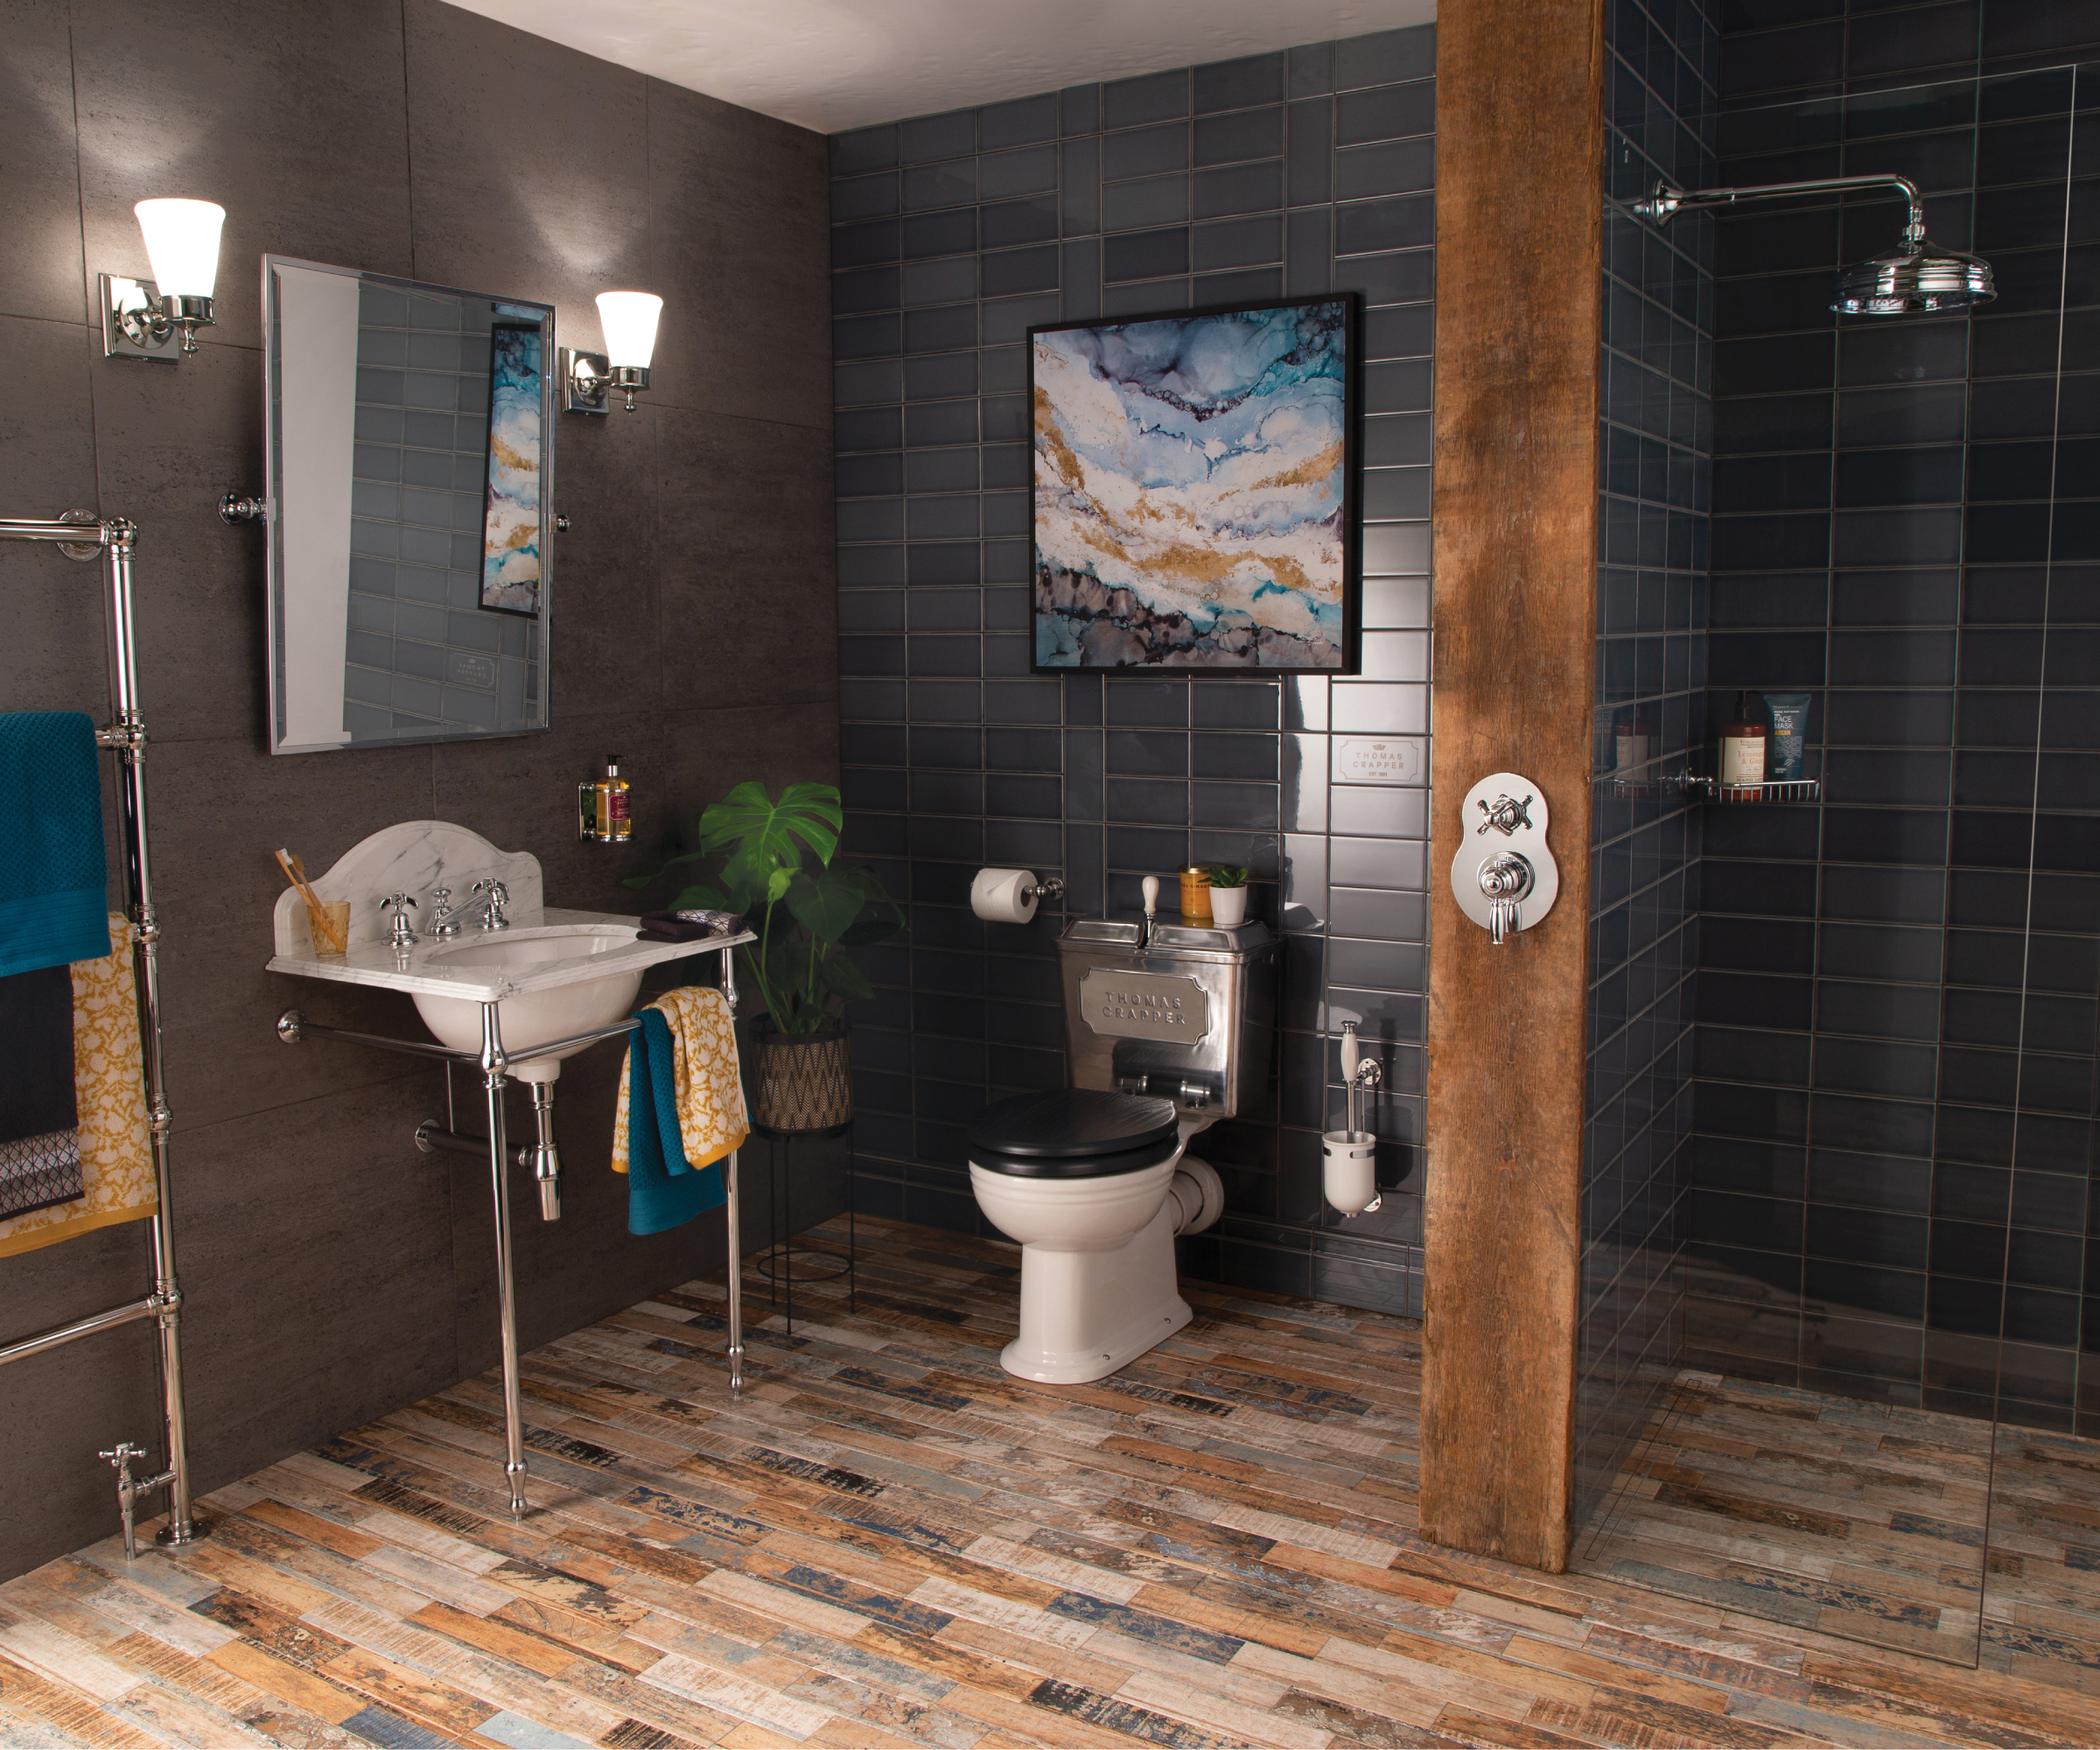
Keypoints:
(1510, 882)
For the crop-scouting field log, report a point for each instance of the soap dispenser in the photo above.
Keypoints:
(615, 816)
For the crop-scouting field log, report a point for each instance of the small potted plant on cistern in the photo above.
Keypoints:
(1227, 884)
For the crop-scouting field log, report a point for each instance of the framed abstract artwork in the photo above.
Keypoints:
(510, 538)
(1194, 490)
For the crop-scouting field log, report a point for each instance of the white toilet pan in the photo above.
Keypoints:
(1097, 1269)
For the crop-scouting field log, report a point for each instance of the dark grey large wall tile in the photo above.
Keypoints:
(40, 253)
(741, 345)
(497, 204)
(333, 1272)
(292, 116)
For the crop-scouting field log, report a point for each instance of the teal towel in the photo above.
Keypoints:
(52, 908)
(663, 1191)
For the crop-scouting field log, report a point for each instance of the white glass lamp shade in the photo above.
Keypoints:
(629, 319)
(182, 242)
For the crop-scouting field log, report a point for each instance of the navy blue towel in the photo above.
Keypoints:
(39, 1114)
(52, 908)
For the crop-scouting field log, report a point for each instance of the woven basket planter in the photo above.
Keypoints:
(801, 1081)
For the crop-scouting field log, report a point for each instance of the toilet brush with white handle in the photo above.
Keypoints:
(1349, 1169)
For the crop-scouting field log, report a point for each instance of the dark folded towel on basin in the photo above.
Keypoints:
(688, 925)
(52, 908)
(40, 1119)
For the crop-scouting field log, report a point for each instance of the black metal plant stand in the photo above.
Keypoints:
(777, 1264)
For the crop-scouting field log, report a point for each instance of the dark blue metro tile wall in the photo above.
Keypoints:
(1654, 476)
(1275, 176)
(1899, 987)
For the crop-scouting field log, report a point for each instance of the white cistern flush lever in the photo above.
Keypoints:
(1502, 875)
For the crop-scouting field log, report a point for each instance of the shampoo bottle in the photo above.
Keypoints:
(1744, 743)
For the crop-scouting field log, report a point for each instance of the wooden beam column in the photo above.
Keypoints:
(1519, 238)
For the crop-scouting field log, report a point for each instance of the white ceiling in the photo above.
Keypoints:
(836, 63)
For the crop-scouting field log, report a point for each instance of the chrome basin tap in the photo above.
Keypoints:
(486, 907)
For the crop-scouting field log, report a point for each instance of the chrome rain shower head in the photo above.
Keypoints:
(1917, 277)
(1912, 280)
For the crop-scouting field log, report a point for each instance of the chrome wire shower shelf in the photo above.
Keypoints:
(1702, 789)
(1779, 790)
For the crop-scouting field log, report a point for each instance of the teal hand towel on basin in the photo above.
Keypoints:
(680, 1108)
(53, 909)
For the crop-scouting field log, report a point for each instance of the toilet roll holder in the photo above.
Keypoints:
(986, 900)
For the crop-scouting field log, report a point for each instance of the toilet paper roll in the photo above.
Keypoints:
(1002, 896)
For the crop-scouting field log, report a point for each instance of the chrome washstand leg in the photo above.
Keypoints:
(732, 1213)
(732, 1216)
(493, 1064)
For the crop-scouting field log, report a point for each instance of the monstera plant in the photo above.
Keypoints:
(810, 914)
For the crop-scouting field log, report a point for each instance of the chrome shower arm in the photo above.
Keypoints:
(1666, 202)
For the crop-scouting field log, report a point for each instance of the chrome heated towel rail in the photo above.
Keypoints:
(81, 536)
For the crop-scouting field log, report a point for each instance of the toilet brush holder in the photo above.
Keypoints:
(1349, 1158)
(1349, 1170)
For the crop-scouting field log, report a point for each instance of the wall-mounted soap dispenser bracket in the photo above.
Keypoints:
(1502, 875)
(543, 1157)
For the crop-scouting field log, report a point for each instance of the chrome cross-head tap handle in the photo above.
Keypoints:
(400, 932)
(495, 896)
(128, 1489)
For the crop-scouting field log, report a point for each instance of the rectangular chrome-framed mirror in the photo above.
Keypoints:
(409, 439)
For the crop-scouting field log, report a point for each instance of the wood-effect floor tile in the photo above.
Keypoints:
(886, 1540)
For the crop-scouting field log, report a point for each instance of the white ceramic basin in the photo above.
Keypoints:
(534, 1017)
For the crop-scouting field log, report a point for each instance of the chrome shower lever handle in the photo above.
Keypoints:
(1503, 919)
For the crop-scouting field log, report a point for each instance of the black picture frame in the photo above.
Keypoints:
(1349, 648)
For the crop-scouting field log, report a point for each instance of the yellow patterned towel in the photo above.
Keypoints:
(116, 1155)
(680, 1108)
(707, 1083)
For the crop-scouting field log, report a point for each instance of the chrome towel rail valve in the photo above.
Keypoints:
(129, 1488)
(1508, 883)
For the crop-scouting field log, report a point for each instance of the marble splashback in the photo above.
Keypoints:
(411, 858)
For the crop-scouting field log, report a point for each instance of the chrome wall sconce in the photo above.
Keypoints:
(142, 318)
(1918, 277)
(589, 379)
